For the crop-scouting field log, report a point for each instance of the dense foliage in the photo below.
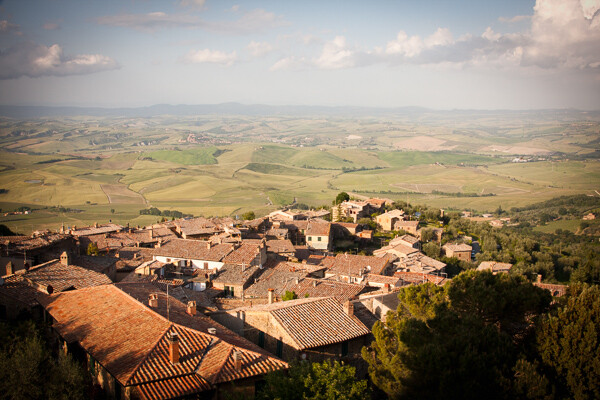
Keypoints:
(314, 381)
(28, 371)
(488, 336)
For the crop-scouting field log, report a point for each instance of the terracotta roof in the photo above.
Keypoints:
(302, 224)
(28, 243)
(234, 274)
(313, 322)
(341, 291)
(278, 279)
(350, 264)
(494, 266)
(295, 266)
(131, 340)
(398, 249)
(407, 238)
(318, 228)
(382, 279)
(457, 247)
(406, 223)
(193, 250)
(17, 288)
(416, 277)
(244, 254)
(280, 246)
(95, 230)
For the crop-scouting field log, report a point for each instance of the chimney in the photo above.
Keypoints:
(212, 331)
(191, 307)
(271, 296)
(386, 288)
(314, 283)
(237, 360)
(64, 258)
(159, 243)
(151, 232)
(174, 348)
(539, 278)
(153, 300)
(95, 224)
(296, 280)
(349, 308)
(208, 245)
(9, 268)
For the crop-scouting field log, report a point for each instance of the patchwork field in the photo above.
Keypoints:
(85, 170)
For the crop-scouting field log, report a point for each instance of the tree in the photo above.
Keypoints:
(92, 249)
(248, 216)
(289, 296)
(341, 197)
(460, 341)
(568, 342)
(112, 210)
(432, 249)
(316, 381)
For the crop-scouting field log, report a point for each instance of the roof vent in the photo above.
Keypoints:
(212, 331)
(153, 300)
(237, 360)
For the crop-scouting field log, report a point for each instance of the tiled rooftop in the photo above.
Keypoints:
(130, 340)
(243, 254)
(341, 291)
(318, 228)
(280, 246)
(313, 322)
(350, 264)
(193, 249)
(235, 274)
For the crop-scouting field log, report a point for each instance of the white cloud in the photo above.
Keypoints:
(8, 27)
(336, 55)
(515, 19)
(259, 49)
(211, 56)
(289, 63)
(33, 60)
(253, 21)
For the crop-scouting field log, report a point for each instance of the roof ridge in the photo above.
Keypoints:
(220, 369)
(137, 367)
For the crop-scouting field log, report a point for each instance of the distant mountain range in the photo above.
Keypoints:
(25, 112)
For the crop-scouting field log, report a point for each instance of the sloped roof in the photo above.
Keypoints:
(193, 249)
(317, 228)
(243, 254)
(130, 340)
(280, 246)
(235, 274)
(457, 247)
(350, 264)
(341, 291)
(313, 322)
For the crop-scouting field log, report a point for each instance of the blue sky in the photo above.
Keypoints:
(440, 54)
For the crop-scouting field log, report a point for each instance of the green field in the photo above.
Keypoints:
(110, 169)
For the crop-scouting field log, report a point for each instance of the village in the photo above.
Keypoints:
(203, 305)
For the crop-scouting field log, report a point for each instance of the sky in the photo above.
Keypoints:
(440, 54)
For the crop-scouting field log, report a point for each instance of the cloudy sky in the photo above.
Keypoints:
(444, 54)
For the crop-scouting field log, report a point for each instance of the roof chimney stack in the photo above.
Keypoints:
(271, 296)
(174, 348)
(151, 232)
(153, 300)
(386, 288)
(349, 308)
(9, 268)
(191, 307)
(539, 278)
(237, 360)
(64, 258)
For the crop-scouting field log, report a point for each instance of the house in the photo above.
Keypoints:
(18, 291)
(495, 267)
(350, 209)
(233, 279)
(94, 230)
(154, 267)
(285, 215)
(134, 352)
(461, 251)
(310, 328)
(312, 287)
(420, 263)
(419, 277)
(248, 253)
(194, 254)
(282, 248)
(407, 226)
(276, 279)
(346, 228)
(353, 268)
(397, 250)
(318, 235)
(406, 240)
(35, 249)
(589, 217)
(389, 219)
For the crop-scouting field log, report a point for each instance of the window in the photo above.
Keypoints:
(309, 239)
(2, 311)
(319, 238)
(261, 339)
(279, 352)
(344, 348)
